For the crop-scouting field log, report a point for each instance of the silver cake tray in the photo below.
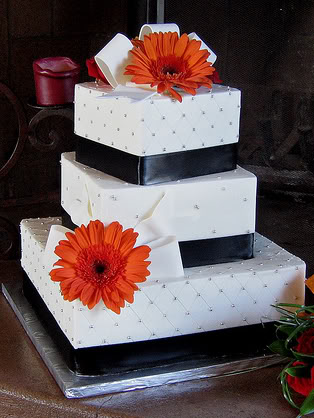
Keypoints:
(78, 386)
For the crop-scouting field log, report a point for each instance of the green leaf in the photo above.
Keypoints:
(279, 347)
(308, 405)
(299, 371)
(286, 389)
(308, 358)
(286, 329)
(293, 305)
(295, 332)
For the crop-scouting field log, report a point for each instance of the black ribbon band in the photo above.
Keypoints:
(231, 344)
(159, 168)
(216, 250)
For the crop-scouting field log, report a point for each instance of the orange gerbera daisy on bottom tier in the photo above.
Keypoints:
(165, 60)
(98, 262)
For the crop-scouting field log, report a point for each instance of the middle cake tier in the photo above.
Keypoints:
(212, 217)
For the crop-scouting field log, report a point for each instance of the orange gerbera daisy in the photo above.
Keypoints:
(99, 262)
(165, 60)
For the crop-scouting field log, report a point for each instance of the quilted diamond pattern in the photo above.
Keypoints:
(159, 124)
(208, 298)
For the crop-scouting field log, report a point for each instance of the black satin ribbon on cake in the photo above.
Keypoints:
(206, 251)
(233, 344)
(216, 250)
(160, 168)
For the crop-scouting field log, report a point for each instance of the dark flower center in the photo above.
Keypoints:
(170, 66)
(169, 70)
(100, 267)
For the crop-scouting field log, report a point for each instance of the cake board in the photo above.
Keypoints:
(79, 386)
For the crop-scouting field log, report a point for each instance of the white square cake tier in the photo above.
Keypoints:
(157, 125)
(207, 298)
(212, 206)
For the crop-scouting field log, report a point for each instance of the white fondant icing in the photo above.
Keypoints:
(164, 209)
(161, 117)
(205, 299)
(133, 93)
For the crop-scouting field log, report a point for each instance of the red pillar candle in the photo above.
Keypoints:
(55, 78)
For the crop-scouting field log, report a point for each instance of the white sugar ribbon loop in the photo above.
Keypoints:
(113, 59)
(158, 27)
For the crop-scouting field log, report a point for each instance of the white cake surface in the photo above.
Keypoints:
(159, 124)
(216, 205)
(207, 298)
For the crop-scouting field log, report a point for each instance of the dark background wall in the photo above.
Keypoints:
(264, 47)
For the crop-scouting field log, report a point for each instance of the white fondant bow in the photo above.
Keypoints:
(115, 56)
(165, 255)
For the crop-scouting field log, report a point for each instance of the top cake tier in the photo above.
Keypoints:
(159, 124)
(157, 139)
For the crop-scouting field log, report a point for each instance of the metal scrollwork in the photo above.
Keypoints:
(53, 135)
(9, 240)
(23, 129)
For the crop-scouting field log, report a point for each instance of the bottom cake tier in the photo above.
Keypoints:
(168, 321)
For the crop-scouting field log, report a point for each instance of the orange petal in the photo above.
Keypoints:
(173, 41)
(104, 295)
(73, 242)
(114, 295)
(124, 286)
(66, 272)
(175, 94)
(87, 294)
(149, 49)
(113, 306)
(128, 241)
(142, 79)
(131, 283)
(96, 298)
(181, 45)
(63, 263)
(135, 278)
(83, 236)
(139, 253)
(56, 275)
(76, 288)
(192, 48)
(161, 86)
(196, 58)
(161, 43)
(67, 253)
(140, 58)
(95, 231)
(135, 70)
(153, 38)
(129, 297)
(310, 283)
(113, 234)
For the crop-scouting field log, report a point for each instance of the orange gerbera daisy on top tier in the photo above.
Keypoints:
(165, 60)
(98, 262)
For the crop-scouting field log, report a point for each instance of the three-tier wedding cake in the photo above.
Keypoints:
(165, 249)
